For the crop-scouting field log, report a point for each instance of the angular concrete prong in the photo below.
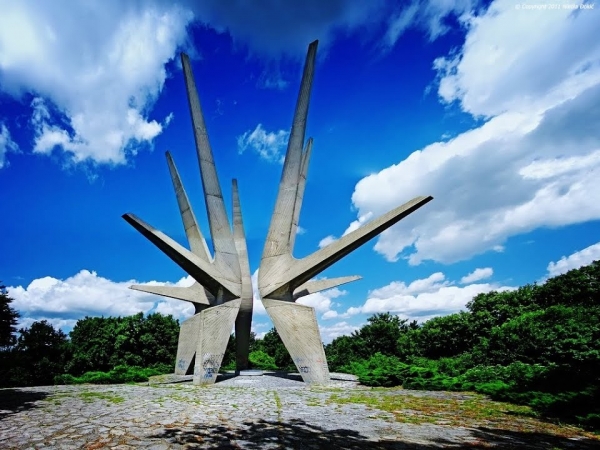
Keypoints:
(226, 257)
(243, 323)
(277, 244)
(202, 271)
(194, 293)
(297, 326)
(213, 328)
(300, 192)
(302, 270)
(313, 286)
(192, 230)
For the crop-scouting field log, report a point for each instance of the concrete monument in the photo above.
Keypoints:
(222, 293)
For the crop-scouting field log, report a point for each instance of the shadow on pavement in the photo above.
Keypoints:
(16, 400)
(297, 434)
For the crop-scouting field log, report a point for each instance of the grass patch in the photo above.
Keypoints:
(449, 409)
(89, 397)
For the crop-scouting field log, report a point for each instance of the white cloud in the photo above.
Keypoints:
(428, 15)
(504, 68)
(326, 241)
(260, 329)
(300, 230)
(477, 274)
(63, 302)
(355, 225)
(95, 70)
(6, 144)
(533, 164)
(575, 260)
(269, 146)
(257, 307)
(322, 302)
(329, 333)
(422, 299)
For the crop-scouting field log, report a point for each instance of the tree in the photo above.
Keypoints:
(445, 336)
(100, 344)
(41, 354)
(340, 352)
(8, 319)
(380, 334)
(272, 345)
(93, 343)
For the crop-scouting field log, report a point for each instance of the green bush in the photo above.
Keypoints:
(119, 374)
(262, 361)
(378, 370)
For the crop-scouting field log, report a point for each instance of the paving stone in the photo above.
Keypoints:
(241, 412)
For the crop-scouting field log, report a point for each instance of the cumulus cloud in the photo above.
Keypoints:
(532, 164)
(575, 260)
(330, 332)
(422, 299)
(322, 302)
(268, 145)
(427, 15)
(327, 240)
(476, 275)
(63, 302)
(95, 70)
(502, 69)
(6, 144)
(354, 225)
(257, 307)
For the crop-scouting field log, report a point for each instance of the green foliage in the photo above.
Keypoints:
(97, 345)
(120, 374)
(39, 355)
(100, 343)
(444, 336)
(536, 345)
(272, 345)
(261, 360)
(378, 370)
(8, 319)
(380, 334)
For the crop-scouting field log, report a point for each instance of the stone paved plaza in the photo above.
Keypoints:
(246, 412)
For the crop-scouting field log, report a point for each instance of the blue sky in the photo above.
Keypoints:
(492, 108)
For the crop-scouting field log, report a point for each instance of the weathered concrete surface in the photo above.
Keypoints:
(249, 413)
(243, 322)
(312, 286)
(226, 256)
(203, 272)
(190, 224)
(298, 328)
(189, 333)
(223, 281)
(213, 330)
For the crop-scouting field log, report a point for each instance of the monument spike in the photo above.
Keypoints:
(195, 293)
(314, 286)
(190, 225)
(310, 266)
(278, 240)
(300, 192)
(222, 293)
(202, 271)
(243, 323)
(226, 258)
